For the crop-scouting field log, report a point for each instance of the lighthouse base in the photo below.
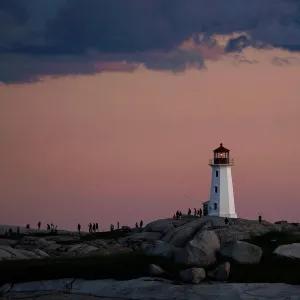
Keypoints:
(224, 215)
(232, 215)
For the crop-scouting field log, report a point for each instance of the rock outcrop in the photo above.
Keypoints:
(202, 247)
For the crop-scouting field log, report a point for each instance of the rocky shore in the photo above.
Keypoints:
(187, 251)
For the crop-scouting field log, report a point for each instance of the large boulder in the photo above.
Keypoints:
(179, 236)
(200, 251)
(241, 252)
(161, 249)
(291, 250)
(162, 226)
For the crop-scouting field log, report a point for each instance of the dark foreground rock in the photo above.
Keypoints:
(145, 288)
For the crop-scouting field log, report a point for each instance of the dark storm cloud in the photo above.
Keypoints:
(133, 30)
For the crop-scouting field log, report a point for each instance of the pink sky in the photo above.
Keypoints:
(128, 146)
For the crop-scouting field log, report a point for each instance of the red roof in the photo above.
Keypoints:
(221, 149)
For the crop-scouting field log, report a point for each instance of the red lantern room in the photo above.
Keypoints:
(221, 156)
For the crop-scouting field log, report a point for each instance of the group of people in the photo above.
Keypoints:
(141, 224)
(50, 227)
(92, 227)
(197, 213)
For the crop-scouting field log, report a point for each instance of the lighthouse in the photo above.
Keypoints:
(221, 202)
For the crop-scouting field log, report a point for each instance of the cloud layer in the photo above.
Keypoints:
(39, 35)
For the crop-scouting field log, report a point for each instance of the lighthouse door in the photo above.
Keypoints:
(205, 209)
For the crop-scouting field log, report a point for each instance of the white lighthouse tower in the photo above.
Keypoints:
(221, 202)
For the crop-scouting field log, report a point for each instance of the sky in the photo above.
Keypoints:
(110, 112)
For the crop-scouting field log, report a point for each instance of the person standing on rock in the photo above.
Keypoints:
(90, 227)
(200, 212)
(259, 219)
(79, 228)
(136, 225)
(39, 225)
(141, 223)
(112, 227)
(48, 227)
(195, 212)
(189, 212)
(94, 227)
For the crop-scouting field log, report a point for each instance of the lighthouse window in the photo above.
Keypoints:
(215, 206)
(217, 173)
(216, 189)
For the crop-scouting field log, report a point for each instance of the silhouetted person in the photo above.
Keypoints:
(259, 219)
(90, 227)
(118, 225)
(177, 214)
(97, 226)
(18, 230)
(10, 231)
(136, 225)
(112, 227)
(39, 225)
(28, 226)
(48, 227)
(195, 212)
(180, 214)
(94, 227)
(226, 221)
(200, 212)
(79, 228)
(189, 212)
(141, 223)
